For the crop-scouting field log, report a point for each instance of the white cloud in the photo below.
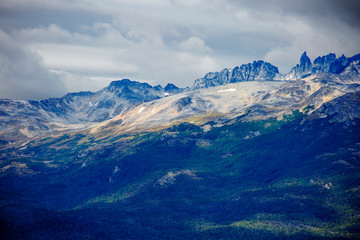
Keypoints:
(105, 52)
(164, 41)
(85, 59)
(193, 44)
(52, 33)
(79, 82)
(201, 64)
(22, 74)
(189, 2)
(317, 42)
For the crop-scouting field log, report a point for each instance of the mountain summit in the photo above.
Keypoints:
(300, 70)
(263, 71)
(82, 109)
(258, 70)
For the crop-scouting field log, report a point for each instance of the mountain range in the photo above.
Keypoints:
(263, 71)
(27, 119)
(244, 153)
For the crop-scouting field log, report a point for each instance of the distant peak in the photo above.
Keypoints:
(305, 65)
(170, 86)
(304, 54)
(158, 87)
(120, 82)
(127, 82)
(304, 58)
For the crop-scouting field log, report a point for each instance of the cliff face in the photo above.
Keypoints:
(263, 71)
(256, 71)
(300, 70)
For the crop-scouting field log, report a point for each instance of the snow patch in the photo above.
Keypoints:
(171, 177)
(227, 90)
(116, 170)
(141, 109)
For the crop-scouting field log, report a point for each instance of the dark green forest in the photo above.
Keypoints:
(271, 179)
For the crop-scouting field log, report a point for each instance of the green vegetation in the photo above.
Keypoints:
(289, 179)
(296, 114)
(308, 108)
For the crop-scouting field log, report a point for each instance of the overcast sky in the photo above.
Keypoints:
(49, 48)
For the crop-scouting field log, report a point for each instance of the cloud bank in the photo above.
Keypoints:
(83, 45)
(23, 75)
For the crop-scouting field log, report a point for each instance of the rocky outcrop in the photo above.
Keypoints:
(325, 64)
(263, 71)
(256, 71)
(300, 70)
(330, 64)
(345, 108)
(171, 88)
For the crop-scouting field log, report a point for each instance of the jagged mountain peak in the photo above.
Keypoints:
(303, 55)
(257, 70)
(300, 70)
(264, 71)
(170, 87)
(158, 87)
(305, 61)
(355, 57)
(127, 82)
(329, 63)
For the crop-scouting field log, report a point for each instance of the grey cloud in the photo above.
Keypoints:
(318, 27)
(175, 41)
(22, 75)
(70, 19)
(347, 11)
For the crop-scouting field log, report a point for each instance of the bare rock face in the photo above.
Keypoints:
(263, 71)
(171, 88)
(342, 109)
(256, 71)
(325, 64)
(300, 70)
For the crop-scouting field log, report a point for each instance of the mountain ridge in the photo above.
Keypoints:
(75, 111)
(260, 70)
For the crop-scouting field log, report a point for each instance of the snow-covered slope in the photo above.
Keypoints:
(104, 104)
(21, 119)
(198, 106)
(252, 100)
